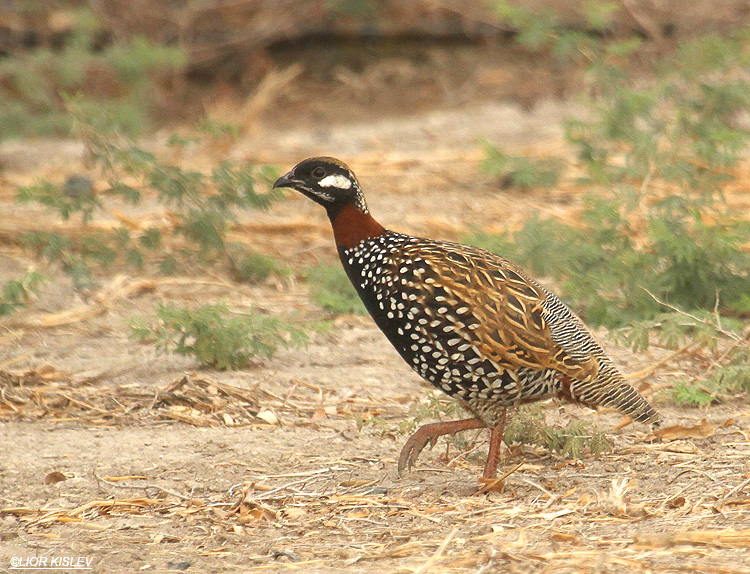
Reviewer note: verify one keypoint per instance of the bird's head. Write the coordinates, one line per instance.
(326, 181)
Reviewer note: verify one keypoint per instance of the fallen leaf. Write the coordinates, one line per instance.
(677, 502)
(255, 513)
(294, 512)
(54, 477)
(491, 485)
(261, 486)
(556, 514)
(268, 416)
(701, 430)
(521, 542)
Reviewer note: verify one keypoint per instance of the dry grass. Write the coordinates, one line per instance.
(679, 509)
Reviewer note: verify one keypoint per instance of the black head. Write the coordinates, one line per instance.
(326, 181)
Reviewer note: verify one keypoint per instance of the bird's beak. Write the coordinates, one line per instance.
(286, 180)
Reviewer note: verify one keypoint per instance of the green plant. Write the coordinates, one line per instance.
(687, 394)
(729, 376)
(525, 426)
(76, 195)
(520, 172)
(732, 375)
(202, 206)
(528, 426)
(656, 154)
(331, 289)
(657, 250)
(250, 267)
(215, 336)
(124, 79)
(17, 292)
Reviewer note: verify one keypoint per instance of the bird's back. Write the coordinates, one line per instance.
(474, 325)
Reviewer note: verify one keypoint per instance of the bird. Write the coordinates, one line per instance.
(468, 321)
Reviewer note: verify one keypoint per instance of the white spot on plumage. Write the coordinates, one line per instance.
(336, 180)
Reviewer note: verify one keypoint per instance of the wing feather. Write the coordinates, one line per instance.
(510, 319)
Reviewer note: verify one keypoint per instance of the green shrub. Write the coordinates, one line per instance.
(203, 206)
(250, 267)
(520, 172)
(656, 154)
(528, 426)
(686, 394)
(657, 251)
(215, 336)
(17, 292)
(120, 79)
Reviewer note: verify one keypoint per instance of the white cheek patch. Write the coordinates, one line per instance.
(337, 180)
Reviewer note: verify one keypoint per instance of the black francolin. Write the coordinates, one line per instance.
(468, 321)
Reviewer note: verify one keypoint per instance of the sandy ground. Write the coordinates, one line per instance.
(142, 462)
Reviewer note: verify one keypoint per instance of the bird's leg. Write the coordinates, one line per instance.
(429, 434)
(496, 441)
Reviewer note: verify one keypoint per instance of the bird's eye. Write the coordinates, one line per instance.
(318, 172)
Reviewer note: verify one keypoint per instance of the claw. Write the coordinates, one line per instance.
(429, 434)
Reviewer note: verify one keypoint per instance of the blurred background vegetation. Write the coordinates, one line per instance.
(657, 144)
(147, 63)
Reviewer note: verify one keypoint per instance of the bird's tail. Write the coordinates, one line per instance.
(610, 389)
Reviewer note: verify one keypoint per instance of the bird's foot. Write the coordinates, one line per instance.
(429, 434)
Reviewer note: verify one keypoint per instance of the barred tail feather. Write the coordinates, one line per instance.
(609, 389)
(629, 402)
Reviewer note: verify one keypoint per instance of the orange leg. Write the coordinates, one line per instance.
(431, 432)
(493, 456)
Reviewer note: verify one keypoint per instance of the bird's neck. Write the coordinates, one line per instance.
(351, 225)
